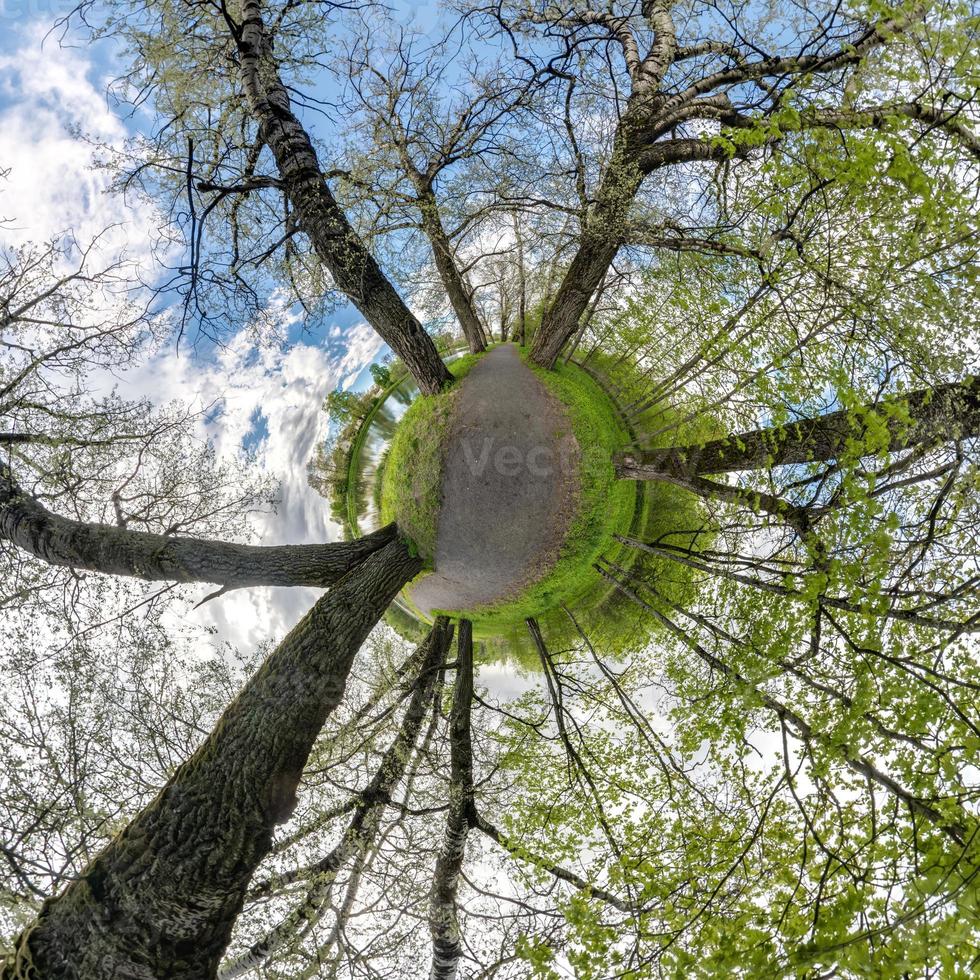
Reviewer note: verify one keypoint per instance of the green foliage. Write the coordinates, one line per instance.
(344, 407)
(411, 484)
(332, 471)
(381, 375)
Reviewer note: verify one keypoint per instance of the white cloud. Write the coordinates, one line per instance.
(49, 95)
(281, 390)
(48, 92)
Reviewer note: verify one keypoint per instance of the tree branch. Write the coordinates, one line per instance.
(112, 550)
(945, 413)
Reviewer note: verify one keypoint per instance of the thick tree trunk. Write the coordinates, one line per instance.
(111, 550)
(338, 246)
(586, 272)
(447, 945)
(365, 823)
(161, 899)
(452, 281)
(940, 414)
(602, 235)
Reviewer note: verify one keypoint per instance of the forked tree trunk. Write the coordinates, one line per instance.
(26, 523)
(337, 245)
(941, 414)
(161, 899)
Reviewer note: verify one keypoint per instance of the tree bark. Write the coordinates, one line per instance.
(338, 246)
(452, 281)
(26, 523)
(161, 899)
(362, 830)
(447, 945)
(586, 319)
(603, 231)
(944, 413)
(522, 286)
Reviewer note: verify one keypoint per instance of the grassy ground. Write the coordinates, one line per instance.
(605, 506)
(354, 462)
(411, 489)
(411, 485)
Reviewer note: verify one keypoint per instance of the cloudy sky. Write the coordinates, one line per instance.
(270, 398)
(53, 108)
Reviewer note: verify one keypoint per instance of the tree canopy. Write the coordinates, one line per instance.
(752, 749)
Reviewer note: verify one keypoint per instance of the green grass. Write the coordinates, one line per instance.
(605, 506)
(354, 460)
(411, 485)
(411, 494)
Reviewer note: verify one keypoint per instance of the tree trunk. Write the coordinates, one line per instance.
(522, 286)
(161, 899)
(447, 945)
(586, 271)
(452, 281)
(944, 413)
(111, 550)
(362, 829)
(338, 246)
(504, 312)
(585, 321)
(602, 234)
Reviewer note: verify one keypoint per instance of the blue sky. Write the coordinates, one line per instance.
(270, 397)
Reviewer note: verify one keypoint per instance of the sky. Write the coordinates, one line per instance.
(271, 398)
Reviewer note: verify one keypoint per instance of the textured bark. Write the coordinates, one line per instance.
(940, 414)
(447, 944)
(161, 899)
(853, 760)
(602, 235)
(362, 830)
(338, 246)
(449, 274)
(26, 523)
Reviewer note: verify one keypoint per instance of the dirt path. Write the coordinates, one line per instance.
(508, 488)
